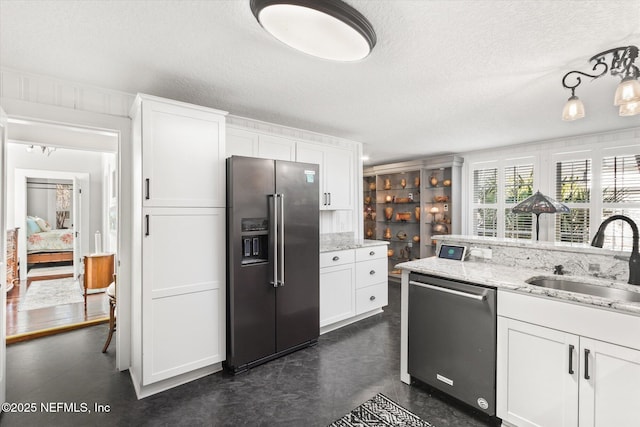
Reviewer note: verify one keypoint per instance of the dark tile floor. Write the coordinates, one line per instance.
(311, 387)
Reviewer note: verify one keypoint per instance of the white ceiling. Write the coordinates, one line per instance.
(444, 77)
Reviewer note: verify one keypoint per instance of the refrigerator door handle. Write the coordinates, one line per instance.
(281, 229)
(274, 224)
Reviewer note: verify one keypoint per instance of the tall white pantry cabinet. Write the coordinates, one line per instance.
(178, 294)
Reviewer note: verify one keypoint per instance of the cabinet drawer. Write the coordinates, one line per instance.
(371, 297)
(371, 252)
(371, 272)
(328, 259)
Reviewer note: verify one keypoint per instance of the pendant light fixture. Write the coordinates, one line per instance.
(328, 29)
(622, 64)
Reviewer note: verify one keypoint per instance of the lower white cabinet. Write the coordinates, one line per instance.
(337, 298)
(549, 377)
(353, 282)
(183, 292)
(534, 386)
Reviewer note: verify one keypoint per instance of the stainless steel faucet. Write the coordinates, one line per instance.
(634, 258)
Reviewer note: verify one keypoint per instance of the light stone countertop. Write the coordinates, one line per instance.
(513, 279)
(344, 241)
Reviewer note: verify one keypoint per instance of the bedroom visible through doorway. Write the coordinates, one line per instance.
(60, 201)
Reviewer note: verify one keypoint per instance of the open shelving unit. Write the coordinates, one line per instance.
(409, 203)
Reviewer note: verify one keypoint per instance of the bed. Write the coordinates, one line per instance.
(50, 246)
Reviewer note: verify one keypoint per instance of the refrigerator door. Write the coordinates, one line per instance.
(297, 298)
(250, 295)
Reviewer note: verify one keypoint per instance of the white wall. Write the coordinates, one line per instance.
(61, 161)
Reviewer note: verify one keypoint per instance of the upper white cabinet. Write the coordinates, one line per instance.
(242, 142)
(337, 179)
(183, 154)
(276, 148)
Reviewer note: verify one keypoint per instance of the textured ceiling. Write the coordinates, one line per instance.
(445, 76)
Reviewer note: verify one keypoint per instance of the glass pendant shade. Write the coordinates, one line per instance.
(328, 29)
(573, 109)
(628, 91)
(630, 109)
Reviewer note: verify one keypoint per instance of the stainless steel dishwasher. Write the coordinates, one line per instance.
(452, 338)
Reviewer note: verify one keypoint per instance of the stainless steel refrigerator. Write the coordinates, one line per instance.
(273, 259)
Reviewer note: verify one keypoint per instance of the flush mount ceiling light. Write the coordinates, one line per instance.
(627, 96)
(328, 29)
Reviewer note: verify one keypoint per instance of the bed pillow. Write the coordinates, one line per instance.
(32, 226)
(44, 225)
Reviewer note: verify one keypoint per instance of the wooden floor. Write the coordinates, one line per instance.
(49, 320)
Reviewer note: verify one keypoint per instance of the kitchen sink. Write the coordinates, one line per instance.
(585, 288)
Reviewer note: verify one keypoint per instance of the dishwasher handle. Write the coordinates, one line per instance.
(450, 291)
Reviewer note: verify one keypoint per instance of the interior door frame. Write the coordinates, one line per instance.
(3, 257)
(20, 209)
(121, 128)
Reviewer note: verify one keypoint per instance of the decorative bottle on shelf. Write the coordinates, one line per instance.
(388, 213)
(433, 180)
(416, 182)
(403, 183)
(372, 186)
(387, 233)
(417, 213)
(387, 184)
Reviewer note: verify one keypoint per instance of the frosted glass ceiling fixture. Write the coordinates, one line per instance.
(328, 29)
(627, 96)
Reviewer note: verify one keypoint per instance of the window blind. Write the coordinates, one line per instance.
(518, 186)
(485, 198)
(620, 196)
(573, 188)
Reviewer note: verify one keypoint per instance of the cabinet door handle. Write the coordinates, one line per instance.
(372, 253)
(372, 297)
(586, 364)
(336, 258)
(329, 199)
(146, 189)
(372, 272)
(324, 199)
(146, 225)
(571, 348)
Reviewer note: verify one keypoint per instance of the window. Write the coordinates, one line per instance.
(518, 186)
(485, 199)
(620, 196)
(573, 188)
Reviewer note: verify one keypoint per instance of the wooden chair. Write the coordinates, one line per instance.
(111, 293)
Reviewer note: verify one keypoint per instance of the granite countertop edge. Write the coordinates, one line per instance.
(353, 244)
(514, 279)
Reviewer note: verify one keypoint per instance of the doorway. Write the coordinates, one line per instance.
(66, 195)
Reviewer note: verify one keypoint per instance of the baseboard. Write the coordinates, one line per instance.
(342, 323)
(160, 386)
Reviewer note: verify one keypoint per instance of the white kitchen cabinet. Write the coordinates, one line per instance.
(240, 142)
(611, 395)
(337, 293)
(353, 283)
(178, 288)
(182, 150)
(183, 271)
(554, 367)
(534, 386)
(337, 188)
(276, 148)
